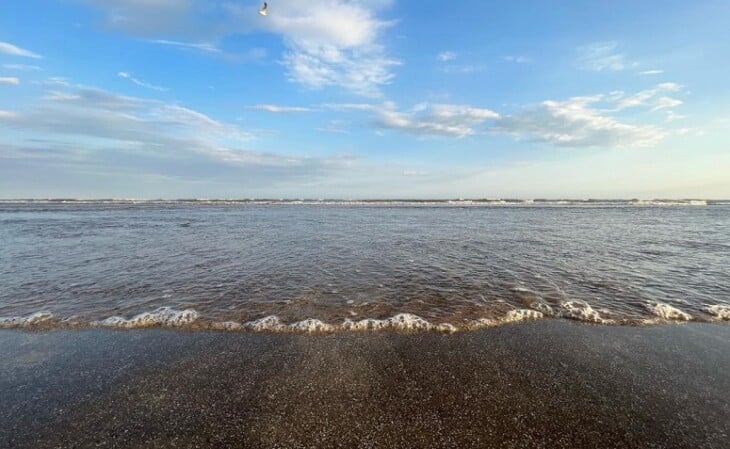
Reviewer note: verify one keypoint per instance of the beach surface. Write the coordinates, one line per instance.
(551, 383)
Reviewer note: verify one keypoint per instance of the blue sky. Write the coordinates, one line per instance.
(364, 99)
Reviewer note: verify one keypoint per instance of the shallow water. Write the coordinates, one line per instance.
(226, 264)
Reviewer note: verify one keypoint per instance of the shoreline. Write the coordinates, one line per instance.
(190, 319)
(549, 383)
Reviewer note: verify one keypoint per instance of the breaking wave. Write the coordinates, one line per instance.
(166, 317)
(667, 312)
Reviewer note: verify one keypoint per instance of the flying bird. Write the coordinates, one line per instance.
(262, 11)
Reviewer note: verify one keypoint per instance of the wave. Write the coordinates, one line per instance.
(667, 312)
(582, 311)
(381, 202)
(34, 319)
(719, 311)
(163, 317)
(166, 317)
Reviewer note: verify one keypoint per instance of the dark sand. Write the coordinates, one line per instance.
(547, 384)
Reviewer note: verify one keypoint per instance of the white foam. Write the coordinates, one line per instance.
(33, 319)
(543, 307)
(311, 325)
(582, 311)
(482, 322)
(446, 328)
(517, 315)
(227, 326)
(667, 312)
(164, 316)
(269, 323)
(402, 321)
(721, 311)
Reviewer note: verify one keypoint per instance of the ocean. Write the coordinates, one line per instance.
(338, 266)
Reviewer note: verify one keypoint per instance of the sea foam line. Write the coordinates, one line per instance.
(667, 312)
(167, 317)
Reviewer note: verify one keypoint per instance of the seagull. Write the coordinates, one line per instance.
(262, 11)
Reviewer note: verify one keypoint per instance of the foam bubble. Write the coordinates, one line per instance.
(517, 315)
(227, 326)
(311, 325)
(543, 307)
(482, 322)
(721, 311)
(34, 319)
(269, 323)
(402, 321)
(446, 328)
(667, 312)
(164, 316)
(582, 311)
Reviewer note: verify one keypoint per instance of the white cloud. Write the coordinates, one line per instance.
(280, 109)
(152, 17)
(464, 68)
(21, 67)
(452, 120)
(445, 56)
(603, 56)
(9, 80)
(141, 83)
(115, 132)
(10, 49)
(575, 123)
(672, 116)
(648, 97)
(54, 81)
(334, 126)
(665, 103)
(156, 126)
(651, 72)
(518, 59)
(329, 42)
(349, 106)
(205, 47)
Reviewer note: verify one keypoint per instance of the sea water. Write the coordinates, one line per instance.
(323, 266)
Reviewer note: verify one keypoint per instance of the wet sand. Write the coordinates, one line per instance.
(547, 384)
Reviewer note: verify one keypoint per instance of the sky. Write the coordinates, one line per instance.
(364, 99)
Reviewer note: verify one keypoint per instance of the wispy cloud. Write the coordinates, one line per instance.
(651, 72)
(153, 17)
(334, 126)
(650, 97)
(9, 80)
(13, 50)
(201, 46)
(22, 67)
(451, 120)
(414, 173)
(672, 116)
(120, 130)
(350, 106)
(446, 56)
(517, 59)
(577, 123)
(603, 56)
(463, 68)
(146, 85)
(280, 109)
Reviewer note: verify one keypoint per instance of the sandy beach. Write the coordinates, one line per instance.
(546, 384)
